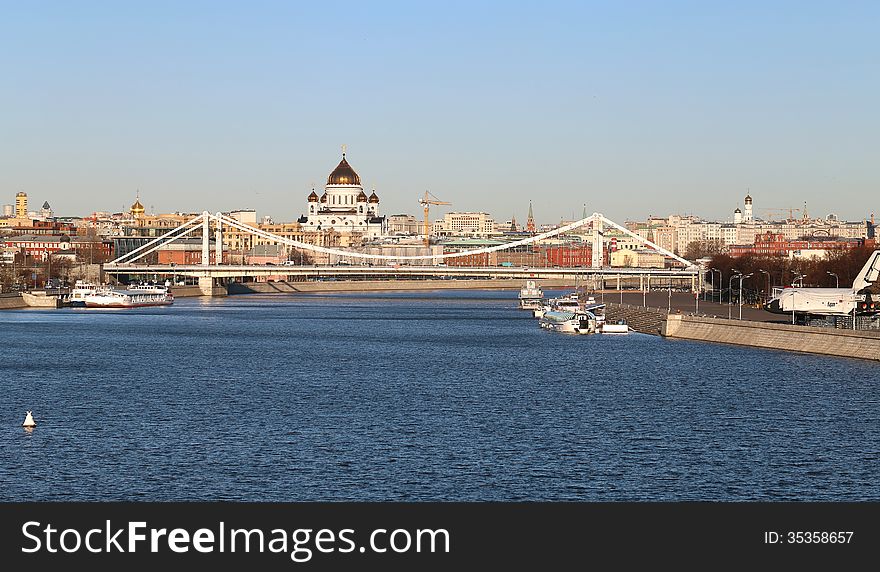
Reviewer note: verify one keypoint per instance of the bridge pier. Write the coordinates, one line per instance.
(209, 287)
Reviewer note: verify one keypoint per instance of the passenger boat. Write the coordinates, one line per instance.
(531, 297)
(567, 322)
(133, 297)
(570, 303)
(77, 296)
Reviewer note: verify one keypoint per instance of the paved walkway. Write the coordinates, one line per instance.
(684, 302)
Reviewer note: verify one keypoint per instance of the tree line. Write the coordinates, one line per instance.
(784, 271)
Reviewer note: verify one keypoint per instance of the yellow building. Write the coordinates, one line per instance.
(637, 259)
(21, 205)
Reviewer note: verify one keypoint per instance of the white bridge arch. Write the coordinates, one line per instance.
(203, 222)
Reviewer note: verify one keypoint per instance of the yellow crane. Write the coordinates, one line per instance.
(426, 202)
(771, 212)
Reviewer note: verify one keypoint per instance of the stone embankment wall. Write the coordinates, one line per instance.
(11, 301)
(825, 341)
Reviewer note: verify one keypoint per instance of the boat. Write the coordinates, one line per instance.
(134, 297)
(531, 297)
(570, 303)
(77, 296)
(567, 322)
(41, 300)
(620, 327)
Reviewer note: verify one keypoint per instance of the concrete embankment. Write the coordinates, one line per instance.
(640, 319)
(825, 341)
(381, 286)
(186, 291)
(12, 301)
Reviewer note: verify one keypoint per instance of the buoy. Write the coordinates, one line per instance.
(29, 421)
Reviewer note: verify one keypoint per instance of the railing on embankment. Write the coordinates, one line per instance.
(639, 318)
(825, 341)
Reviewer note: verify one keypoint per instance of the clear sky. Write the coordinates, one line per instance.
(633, 108)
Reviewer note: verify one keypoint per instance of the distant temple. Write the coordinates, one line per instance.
(344, 207)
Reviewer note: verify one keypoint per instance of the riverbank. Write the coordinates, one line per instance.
(823, 341)
(381, 286)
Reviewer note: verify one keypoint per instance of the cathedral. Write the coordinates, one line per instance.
(344, 207)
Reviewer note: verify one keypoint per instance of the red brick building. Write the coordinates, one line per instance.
(772, 244)
(43, 246)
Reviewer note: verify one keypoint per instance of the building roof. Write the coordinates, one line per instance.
(343, 174)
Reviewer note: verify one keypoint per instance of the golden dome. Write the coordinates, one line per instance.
(343, 174)
(324, 198)
(137, 207)
(374, 198)
(313, 197)
(362, 197)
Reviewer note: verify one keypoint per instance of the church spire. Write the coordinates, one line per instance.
(530, 221)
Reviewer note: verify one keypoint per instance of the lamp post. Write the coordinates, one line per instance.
(733, 272)
(768, 282)
(720, 281)
(730, 291)
(855, 306)
(836, 278)
(741, 293)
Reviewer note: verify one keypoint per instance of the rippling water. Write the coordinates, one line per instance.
(429, 396)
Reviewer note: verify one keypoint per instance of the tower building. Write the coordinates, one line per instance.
(21, 205)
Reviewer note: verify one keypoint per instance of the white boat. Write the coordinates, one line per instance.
(566, 322)
(135, 297)
(570, 303)
(41, 300)
(621, 327)
(77, 296)
(531, 297)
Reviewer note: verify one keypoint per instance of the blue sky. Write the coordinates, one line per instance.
(632, 108)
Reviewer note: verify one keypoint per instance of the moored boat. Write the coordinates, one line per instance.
(41, 300)
(531, 297)
(567, 322)
(620, 327)
(135, 297)
(77, 296)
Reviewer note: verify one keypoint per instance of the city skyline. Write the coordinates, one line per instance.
(632, 110)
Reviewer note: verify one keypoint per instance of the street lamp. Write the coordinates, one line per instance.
(730, 290)
(836, 278)
(733, 272)
(741, 293)
(720, 282)
(768, 282)
(797, 276)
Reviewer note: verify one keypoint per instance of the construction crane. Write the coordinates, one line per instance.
(426, 202)
(771, 212)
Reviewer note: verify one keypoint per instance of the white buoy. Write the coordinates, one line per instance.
(29, 422)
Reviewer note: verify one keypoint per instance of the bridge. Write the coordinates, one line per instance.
(367, 265)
